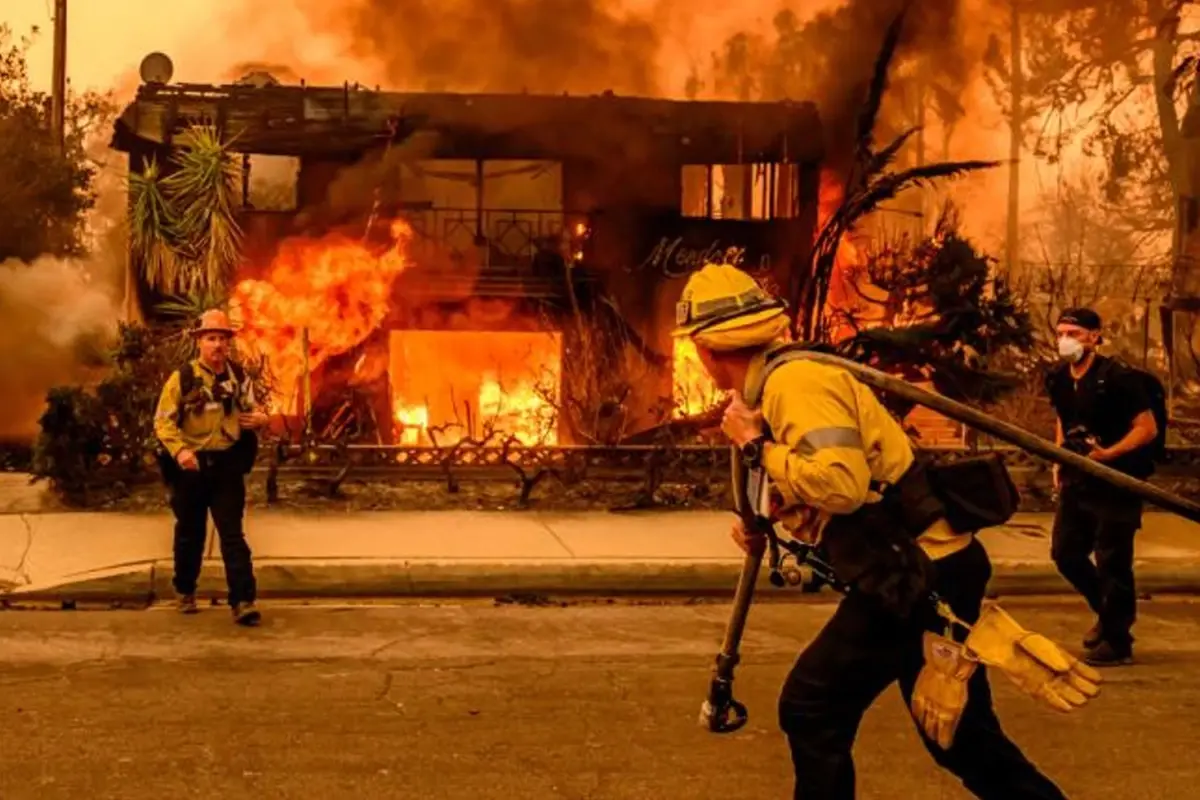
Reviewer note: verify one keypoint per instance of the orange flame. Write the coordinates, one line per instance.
(694, 391)
(502, 383)
(841, 280)
(335, 287)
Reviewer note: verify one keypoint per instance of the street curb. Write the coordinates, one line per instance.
(142, 585)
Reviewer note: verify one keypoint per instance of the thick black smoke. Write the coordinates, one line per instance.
(540, 46)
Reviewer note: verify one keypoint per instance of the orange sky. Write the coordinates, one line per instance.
(107, 40)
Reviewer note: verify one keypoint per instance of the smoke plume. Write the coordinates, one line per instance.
(58, 319)
(817, 50)
(541, 46)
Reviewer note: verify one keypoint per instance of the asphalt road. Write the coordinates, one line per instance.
(475, 701)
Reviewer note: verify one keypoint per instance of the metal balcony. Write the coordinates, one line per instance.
(495, 253)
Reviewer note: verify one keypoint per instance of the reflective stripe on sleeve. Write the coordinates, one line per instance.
(825, 438)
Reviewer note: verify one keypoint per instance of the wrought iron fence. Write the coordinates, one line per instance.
(631, 461)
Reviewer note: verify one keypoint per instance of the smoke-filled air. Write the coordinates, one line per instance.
(1089, 127)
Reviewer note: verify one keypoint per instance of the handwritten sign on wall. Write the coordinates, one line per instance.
(676, 248)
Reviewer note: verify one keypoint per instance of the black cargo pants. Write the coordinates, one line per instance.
(1089, 521)
(858, 654)
(220, 487)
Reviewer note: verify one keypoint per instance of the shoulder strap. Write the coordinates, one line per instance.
(187, 379)
(775, 360)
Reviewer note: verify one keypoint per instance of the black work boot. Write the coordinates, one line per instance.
(1093, 637)
(246, 614)
(1107, 654)
(186, 603)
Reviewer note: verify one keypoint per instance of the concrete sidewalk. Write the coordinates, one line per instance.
(118, 557)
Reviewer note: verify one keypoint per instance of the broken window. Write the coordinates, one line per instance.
(269, 183)
(740, 191)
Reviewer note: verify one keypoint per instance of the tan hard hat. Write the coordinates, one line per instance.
(213, 321)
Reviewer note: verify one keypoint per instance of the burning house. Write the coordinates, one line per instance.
(441, 265)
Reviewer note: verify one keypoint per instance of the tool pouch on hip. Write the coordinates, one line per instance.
(875, 549)
(977, 492)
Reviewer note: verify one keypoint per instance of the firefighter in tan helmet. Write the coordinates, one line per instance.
(842, 474)
(205, 423)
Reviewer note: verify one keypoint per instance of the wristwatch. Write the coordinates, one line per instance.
(752, 451)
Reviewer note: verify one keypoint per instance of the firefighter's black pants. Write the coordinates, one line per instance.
(218, 487)
(857, 655)
(1088, 524)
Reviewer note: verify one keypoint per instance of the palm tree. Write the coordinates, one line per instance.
(869, 183)
(184, 230)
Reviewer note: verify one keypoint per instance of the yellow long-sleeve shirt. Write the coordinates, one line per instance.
(205, 427)
(831, 438)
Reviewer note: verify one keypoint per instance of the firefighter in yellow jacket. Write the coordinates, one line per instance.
(204, 423)
(839, 465)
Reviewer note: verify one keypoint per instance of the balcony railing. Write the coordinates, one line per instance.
(509, 252)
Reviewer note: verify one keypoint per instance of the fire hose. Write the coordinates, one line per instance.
(721, 713)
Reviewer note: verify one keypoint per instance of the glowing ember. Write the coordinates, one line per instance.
(336, 286)
(694, 392)
(501, 384)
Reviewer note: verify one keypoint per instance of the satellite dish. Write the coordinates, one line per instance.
(156, 68)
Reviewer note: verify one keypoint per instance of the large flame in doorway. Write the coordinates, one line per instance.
(490, 387)
(337, 287)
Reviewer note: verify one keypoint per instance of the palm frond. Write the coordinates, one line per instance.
(153, 229)
(870, 109)
(203, 192)
(187, 307)
(891, 185)
(884, 158)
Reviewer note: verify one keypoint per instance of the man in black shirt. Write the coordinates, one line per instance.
(1104, 412)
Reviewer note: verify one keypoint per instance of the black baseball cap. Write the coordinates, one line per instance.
(1083, 317)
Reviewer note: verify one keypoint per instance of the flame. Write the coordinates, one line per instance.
(474, 384)
(842, 293)
(413, 424)
(336, 287)
(694, 391)
(520, 412)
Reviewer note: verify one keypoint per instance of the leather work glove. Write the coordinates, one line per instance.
(940, 694)
(1040, 667)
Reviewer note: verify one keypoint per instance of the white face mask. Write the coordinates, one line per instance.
(1070, 349)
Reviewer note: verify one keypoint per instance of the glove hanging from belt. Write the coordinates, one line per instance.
(1034, 663)
(1037, 665)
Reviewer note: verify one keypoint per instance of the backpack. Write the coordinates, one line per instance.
(246, 447)
(1157, 449)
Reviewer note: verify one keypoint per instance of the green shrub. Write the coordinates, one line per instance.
(68, 449)
(97, 442)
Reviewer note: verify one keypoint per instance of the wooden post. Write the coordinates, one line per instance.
(1012, 244)
(58, 89)
(306, 386)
